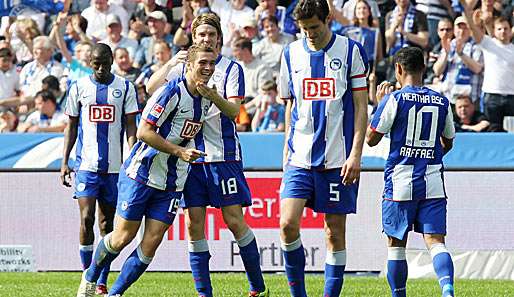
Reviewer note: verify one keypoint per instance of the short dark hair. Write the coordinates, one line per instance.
(194, 49)
(411, 58)
(464, 97)
(306, 9)
(102, 49)
(242, 43)
(46, 96)
(270, 18)
(51, 82)
(500, 20)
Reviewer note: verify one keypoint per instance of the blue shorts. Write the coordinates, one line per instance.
(101, 186)
(428, 217)
(323, 189)
(136, 200)
(216, 184)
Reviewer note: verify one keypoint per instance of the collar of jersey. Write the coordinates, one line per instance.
(92, 78)
(189, 92)
(325, 49)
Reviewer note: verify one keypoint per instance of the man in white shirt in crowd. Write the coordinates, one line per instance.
(96, 16)
(10, 86)
(47, 117)
(498, 51)
(115, 39)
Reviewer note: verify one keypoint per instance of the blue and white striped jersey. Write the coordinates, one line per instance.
(101, 108)
(416, 118)
(320, 83)
(219, 137)
(178, 116)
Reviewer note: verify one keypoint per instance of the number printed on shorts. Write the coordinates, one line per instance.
(229, 186)
(334, 192)
(174, 203)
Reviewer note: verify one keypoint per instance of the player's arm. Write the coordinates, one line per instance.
(158, 78)
(70, 136)
(230, 108)
(373, 136)
(147, 133)
(130, 121)
(448, 132)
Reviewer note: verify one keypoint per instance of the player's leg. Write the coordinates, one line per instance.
(229, 190)
(291, 210)
(86, 191)
(105, 215)
(431, 222)
(198, 247)
(336, 201)
(335, 262)
(233, 217)
(296, 188)
(87, 207)
(397, 221)
(160, 211)
(138, 261)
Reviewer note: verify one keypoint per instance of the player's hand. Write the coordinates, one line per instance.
(190, 155)
(351, 171)
(66, 175)
(179, 57)
(383, 89)
(206, 92)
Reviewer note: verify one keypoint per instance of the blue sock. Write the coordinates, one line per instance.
(443, 266)
(86, 255)
(294, 257)
(104, 255)
(132, 269)
(251, 261)
(102, 280)
(397, 271)
(334, 273)
(199, 261)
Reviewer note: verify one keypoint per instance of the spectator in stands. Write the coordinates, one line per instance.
(139, 19)
(344, 14)
(255, 70)
(115, 39)
(123, 65)
(269, 49)
(270, 115)
(445, 34)
(232, 14)
(405, 26)
(77, 67)
(498, 51)
(26, 30)
(249, 30)
(74, 33)
(10, 86)
(268, 8)
(460, 63)
(435, 10)
(363, 31)
(43, 65)
(52, 85)
(8, 120)
(156, 23)
(467, 118)
(96, 16)
(190, 10)
(47, 117)
(162, 53)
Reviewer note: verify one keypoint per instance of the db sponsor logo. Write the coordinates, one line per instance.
(319, 88)
(190, 129)
(101, 113)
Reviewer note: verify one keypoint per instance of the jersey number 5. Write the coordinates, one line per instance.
(414, 126)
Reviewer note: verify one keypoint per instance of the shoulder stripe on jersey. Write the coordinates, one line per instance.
(226, 79)
(125, 96)
(240, 81)
(360, 89)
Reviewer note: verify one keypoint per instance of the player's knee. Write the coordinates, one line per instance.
(105, 226)
(121, 239)
(234, 223)
(87, 220)
(289, 228)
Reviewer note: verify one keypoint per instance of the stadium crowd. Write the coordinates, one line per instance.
(45, 47)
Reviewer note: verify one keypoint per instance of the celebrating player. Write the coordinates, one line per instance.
(420, 124)
(152, 178)
(323, 79)
(217, 179)
(97, 106)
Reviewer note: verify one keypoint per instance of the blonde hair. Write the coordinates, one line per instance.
(194, 49)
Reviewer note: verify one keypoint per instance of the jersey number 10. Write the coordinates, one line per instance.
(414, 127)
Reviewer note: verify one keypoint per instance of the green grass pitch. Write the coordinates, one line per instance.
(234, 284)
